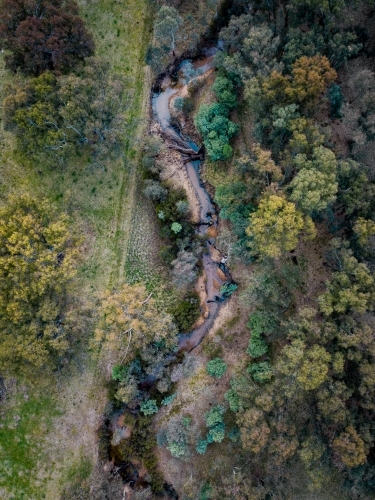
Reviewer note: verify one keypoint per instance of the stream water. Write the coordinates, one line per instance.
(208, 215)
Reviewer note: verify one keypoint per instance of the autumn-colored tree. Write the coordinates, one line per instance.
(130, 323)
(310, 77)
(265, 165)
(276, 225)
(38, 255)
(43, 35)
(350, 447)
(254, 430)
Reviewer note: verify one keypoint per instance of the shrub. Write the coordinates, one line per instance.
(216, 367)
(214, 416)
(149, 407)
(233, 399)
(186, 312)
(225, 92)
(260, 372)
(176, 227)
(169, 399)
(227, 289)
(201, 446)
(216, 433)
(257, 346)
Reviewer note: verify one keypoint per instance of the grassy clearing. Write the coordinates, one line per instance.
(23, 426)
(56, 435)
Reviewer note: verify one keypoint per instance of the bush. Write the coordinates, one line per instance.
(257, 346)
(216, 367)
(260, 372)
(336, 99)
(233, 399)
(169, 399)
(214, 416)
(186, 312)
(216, 130)
(201, 446)
(149, 407)
(225, 92)
(216, 433)
(227, 289)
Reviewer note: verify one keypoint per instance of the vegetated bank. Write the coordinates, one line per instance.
(88, 180)
(299, 206)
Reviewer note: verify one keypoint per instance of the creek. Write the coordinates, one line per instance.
(216, 273)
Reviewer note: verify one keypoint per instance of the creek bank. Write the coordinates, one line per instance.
(214, 264)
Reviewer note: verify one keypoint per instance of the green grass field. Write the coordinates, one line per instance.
(57, 427)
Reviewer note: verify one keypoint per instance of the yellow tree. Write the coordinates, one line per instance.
(350, 447)
(276, 225)
(131, 324)
(265, 165)
(37, 261)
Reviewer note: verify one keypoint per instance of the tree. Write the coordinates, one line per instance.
(216, 367)
(255, 432)
(56, 116)
(216, 129)
(38, 255)
(275, 226)
(184, 269)
(225, 92)
(308, 365)
(309, 79)
(149, 407)
(255, 51)
(43, 35)
(313, 190)
(351, 288)
(350, 447)
(130, 323)
(364, 230)
(166, 27)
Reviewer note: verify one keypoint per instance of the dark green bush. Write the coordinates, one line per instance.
(186, 312)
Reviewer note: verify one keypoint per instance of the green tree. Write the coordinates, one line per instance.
(351, 288)
(216, 130)
(276, 225)
(55, 116)
(216, 367)
(308, 365)
(149, 407)
(315, 185)
(166, 27)
(38, 255)
(225, 92)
